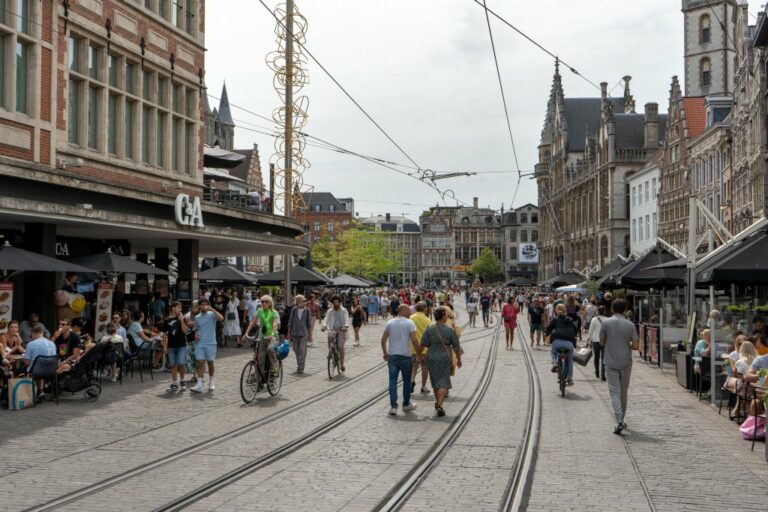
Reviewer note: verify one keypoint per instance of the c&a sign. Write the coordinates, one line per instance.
(188, 211)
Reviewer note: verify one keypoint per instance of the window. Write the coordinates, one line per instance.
(647, 192)
(513, 236)
(3, 11)
(634, 196)
(114, 62)
(316, 208)
(146, 113)
(2, 61)
(190, 17)
(634, 230)
(513, 253)
(94, 54)
(93, 118)
(112, 125)
(705, 70)
(653, 189)
(161, 135)
(523, 218)
(130, 107)
(22, 15)
(22, 77)
(130, 77)
(705, 29)
(524, 236)
(647, 227)
(330, 226)
(534, 235)
(654, 226)
(73, 108)
(534, 218)
(317, 226)
(331, 207)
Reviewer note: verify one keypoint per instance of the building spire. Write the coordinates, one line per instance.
(629, 101)
(225, 115)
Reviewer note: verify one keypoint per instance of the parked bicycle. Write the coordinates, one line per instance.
(255, 377)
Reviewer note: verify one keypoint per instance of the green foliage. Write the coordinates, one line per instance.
(357, 251)
(487, 265)
(592, 287)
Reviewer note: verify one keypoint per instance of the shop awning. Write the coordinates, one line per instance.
(220, 174)
(565, 279)
(217, 157)
(640, 276)
(611, 279)
(13, 259)
(299, 275)
(111, 263)
(744, 262)
(226, 274)
(613, 266)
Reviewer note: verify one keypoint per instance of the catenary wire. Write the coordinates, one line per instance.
(346, 93)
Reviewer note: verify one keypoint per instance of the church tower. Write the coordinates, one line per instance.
(710, 52)
(226, 124)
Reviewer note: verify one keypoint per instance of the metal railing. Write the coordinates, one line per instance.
(235, 199)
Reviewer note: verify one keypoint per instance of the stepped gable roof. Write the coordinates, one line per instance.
(225, 115)
(243, 168)
(581, 113)
(696, 115)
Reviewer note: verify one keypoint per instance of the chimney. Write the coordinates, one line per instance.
(629, 101)
(651, 125)
(604, 90)
(388, 217)
(474, 203)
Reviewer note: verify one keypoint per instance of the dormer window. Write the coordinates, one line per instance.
(331, 208)
(317, 208)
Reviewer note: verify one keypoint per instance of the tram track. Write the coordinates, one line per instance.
(274, 455)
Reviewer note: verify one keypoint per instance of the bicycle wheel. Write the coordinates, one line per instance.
(275, 381)
(562, 378)
(249, 382)
(330, 364)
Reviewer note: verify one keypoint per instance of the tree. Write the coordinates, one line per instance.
(487, 265)
(357, 251)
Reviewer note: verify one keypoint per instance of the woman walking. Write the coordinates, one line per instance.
(232, 319)
(443, 345)
(509, 314)
(563, 333)
(357, 320)
(593, 335)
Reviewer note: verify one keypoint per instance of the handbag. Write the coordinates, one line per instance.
(231, 316)
(753, 428)
(20, 393)
(449, 351)
(582, 356)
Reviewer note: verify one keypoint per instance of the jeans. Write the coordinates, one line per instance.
(177, 355)
(472, 318)
(486, 316)
(399, 365)
(618, 385)
(597, 351)
(566, 345)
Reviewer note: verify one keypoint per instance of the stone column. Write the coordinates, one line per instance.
(189, 266)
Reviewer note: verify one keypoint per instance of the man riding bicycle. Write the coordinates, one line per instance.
(267, 322)
(337, 322)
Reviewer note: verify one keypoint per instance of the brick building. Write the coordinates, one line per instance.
(101, 138)
(323, 215)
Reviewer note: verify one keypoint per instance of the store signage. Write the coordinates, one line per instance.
(188, 211)
(62, 249)
(529, 253)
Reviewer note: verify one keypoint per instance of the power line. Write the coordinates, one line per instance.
(501, 87)
(535, 43)
(346, 93)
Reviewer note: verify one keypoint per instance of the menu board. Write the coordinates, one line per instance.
(104, 294)
(641, 332)
(6, 305)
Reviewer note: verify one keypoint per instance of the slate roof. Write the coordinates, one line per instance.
(630, 130)
(696, 115)
(242, 169)
(225, 115)
(581, 113)
(324, 199)
(390, 226)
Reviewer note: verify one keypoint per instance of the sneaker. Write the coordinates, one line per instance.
(310, 344)
(623, 425)
(409, 407)
(113, 379)
(618, 428)
(356, 344)
(425, 390)
(197, 388)
(300, 371)
(554, 368)
(211, 384)
(393, 411)
(569, 383)
(172, 388)
(183, 385)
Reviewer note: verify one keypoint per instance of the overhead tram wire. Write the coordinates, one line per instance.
(346, 93)
(535, 43)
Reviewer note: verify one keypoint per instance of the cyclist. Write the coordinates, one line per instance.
(563, 333)
(337, 321)
(267, 320)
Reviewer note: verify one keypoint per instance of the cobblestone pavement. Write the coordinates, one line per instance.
(677, 453)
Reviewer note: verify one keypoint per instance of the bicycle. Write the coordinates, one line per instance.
(334, 365)
(252, 381)
(562, 369)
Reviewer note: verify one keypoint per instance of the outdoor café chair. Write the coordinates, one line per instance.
(758, 394)
(44, 367)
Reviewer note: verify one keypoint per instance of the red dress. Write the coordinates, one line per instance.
(509, 314)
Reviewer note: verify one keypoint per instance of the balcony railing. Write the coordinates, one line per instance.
(234, 199)
(541, 170)
(630, 155)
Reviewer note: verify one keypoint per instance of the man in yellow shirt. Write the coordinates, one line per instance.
(422, 321)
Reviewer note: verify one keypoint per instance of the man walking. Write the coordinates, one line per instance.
(299, 325)
(421, 321)
(618, 338)
(485, 306)
(364, 305)
(174, 331)
(205, 345)
(536, 321)
(401, 334)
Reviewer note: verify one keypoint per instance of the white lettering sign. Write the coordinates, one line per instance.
(62, 249)
(188, 211)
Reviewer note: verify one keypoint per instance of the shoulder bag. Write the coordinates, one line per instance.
(448, 350)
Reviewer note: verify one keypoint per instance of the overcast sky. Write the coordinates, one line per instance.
(424, 71)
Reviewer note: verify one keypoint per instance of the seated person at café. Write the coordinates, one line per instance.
(747, 355)
(38, 345)
(119, 344)
(25, 329)
(77, 328)
(68, 344)
(11, 340)
(703, 346)
(758, 364)
(760, 344)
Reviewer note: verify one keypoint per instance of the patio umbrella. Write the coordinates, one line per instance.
(742, 263)
(346, 280)
(639, 275)
(111, 263)
(19, 260)
(565, 279)
(227, 274)
(299, 275)
(616, 264)
(519, 281)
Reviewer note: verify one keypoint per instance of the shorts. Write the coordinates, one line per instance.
(205, 352)
(177, 356)
(536, 327)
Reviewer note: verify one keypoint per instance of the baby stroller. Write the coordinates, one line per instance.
(82, 376)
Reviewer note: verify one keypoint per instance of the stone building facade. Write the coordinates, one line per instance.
(403, 238)
(709, 49)
(520, 232)
(438, 246)
(323, 215)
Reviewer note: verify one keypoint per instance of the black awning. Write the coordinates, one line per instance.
(616, 264)
(112, 263)
(744, 262)
(226, 274)
(566, 279)
(640, 275)
(299, 275)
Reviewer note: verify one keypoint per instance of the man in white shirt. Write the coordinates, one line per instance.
(337, 321)
(252, 305)
(400, 332)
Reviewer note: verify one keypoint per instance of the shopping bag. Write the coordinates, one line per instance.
(749, 430)
(20, 393)
(582, 356)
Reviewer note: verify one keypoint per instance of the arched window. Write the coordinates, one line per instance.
(705, 29)
(705, 71)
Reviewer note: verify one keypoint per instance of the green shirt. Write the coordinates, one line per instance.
(266, 321)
